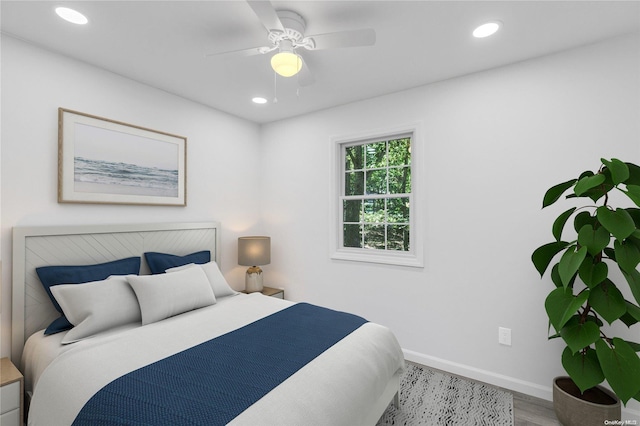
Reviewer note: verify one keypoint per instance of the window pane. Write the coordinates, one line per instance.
(377, 181)
(398, 210)
(352, 210)
(354, 183)
(376, 155)
(354, 157)
(374, 210)
(400, 180)
(352, 236)
(400, 152)
(398, 237)
(374, 236)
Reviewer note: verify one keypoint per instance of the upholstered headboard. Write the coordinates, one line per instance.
(85, 245)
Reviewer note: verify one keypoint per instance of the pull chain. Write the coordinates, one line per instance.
(275, 87)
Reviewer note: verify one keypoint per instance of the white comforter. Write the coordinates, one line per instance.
(337, 388)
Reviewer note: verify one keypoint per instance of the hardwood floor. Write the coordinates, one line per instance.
(530, 411)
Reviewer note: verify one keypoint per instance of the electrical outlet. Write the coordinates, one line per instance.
(504, 336)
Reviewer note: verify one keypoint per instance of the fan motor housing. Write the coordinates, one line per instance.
(294, 27)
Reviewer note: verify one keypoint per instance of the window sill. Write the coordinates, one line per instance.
(398, 259)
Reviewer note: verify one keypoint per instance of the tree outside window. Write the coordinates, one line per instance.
(376, 198)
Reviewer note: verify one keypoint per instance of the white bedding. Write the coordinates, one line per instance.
(337, 388)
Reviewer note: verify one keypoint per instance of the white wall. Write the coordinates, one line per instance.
(222, 154)
(495, 141)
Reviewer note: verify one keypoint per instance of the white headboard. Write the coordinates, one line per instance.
(85, 245)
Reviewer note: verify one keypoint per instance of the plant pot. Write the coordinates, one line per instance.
(591, 408)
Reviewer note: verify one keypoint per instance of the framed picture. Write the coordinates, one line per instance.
(106, 161)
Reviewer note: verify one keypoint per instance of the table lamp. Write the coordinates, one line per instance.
(254, 251)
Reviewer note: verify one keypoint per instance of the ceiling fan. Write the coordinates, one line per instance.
(286, 35)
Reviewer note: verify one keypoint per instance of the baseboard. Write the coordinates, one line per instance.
(528, 388)
(507, 382)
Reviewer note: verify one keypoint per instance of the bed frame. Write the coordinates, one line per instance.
(84, 245)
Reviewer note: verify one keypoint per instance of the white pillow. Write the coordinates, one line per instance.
(219, 285)
(165, 295)
(96, 306)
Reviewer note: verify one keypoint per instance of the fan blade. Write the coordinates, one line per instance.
(239, 53)
(267, 14)
(353, 38)
(305, 76)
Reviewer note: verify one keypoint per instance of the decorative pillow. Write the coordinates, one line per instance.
(54, 275)
(97, 306)
(160, 262)
(58, 325)
(219, 285)
(165, 295)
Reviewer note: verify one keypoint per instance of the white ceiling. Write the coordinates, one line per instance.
(163, 44)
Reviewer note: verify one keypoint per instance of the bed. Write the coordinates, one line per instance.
(182, 346)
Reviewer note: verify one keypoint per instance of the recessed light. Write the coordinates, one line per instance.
(71, 15)
(485, 30)
(259, 100)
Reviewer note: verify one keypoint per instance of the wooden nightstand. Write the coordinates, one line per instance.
(11, 391)
(270, 291)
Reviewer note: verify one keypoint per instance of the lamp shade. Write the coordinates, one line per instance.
(285, 63)
(254, 251)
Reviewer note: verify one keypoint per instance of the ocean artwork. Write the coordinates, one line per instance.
(109, 177)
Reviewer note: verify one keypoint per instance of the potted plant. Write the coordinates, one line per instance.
(604, 238)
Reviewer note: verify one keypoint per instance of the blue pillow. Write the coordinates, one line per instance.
(58, 325)
(160, 262)
(54, 275)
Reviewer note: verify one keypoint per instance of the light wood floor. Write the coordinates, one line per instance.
(530, 411)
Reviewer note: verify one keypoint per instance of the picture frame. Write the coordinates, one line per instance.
(104, 161)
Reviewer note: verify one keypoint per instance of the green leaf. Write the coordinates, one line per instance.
(595, 240)
(558, 224)
(607, 301)
(561, 304)
(633, 310)
(633, 192)
(611, 253)
(570, 263)
(584, 218)
(633, 345)
(634, 174)
(593, 274)
(621, 367)
(543, 255)
(555, 276)
(578, 336)
(628, 320)
(633, 279)
(555, 192)
(635, 215)
(627, 255)
(619, 170)
(589, 182)
(618, 222)
(583, 368)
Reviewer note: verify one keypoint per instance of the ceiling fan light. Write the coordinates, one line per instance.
(286, 64)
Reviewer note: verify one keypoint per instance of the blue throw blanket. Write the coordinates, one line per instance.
(212, 383)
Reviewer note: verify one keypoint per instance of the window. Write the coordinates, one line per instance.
(376, 207)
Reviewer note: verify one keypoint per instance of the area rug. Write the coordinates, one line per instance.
(429, 397)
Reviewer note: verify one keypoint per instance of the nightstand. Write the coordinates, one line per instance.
(11, 391)
(270, 291)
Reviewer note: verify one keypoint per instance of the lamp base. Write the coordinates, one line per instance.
(253, 280)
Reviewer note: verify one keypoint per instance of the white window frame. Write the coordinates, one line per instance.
(415, 256)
